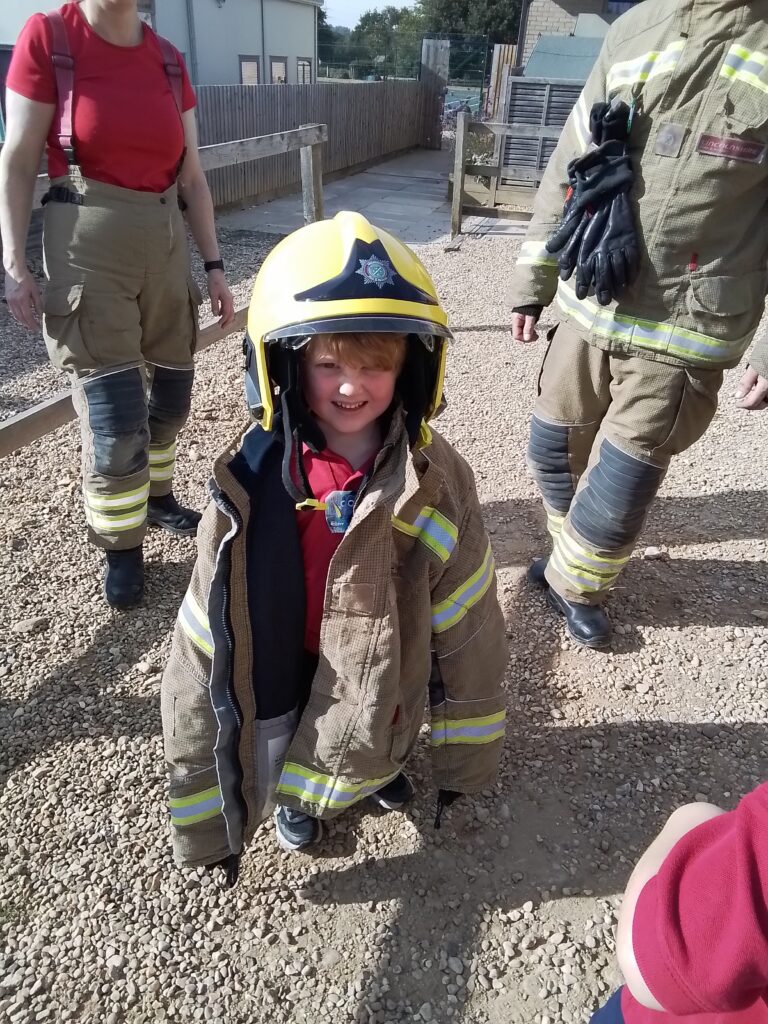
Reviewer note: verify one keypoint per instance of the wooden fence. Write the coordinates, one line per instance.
(366, 122)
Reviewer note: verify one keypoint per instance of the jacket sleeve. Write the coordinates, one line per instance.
(467, 702)
(758, 357)
(534, 279)
(189, 723)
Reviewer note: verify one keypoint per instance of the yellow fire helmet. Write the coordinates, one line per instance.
(338, 276)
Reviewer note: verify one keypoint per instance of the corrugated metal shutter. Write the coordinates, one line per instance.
(535, 113)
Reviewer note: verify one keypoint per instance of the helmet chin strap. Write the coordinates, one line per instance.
(299, 428)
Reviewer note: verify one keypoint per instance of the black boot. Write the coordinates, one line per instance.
(536, 570)
(167, 513)
(124, 578)
(586, 624)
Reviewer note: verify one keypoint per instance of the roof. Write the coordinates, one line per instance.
(563, 57)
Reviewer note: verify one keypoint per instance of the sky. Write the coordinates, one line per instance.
(347, 12)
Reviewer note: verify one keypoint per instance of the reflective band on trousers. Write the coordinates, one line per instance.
(746, 66)
(433, 530)
(554, 524)
(534, 254)
(468, 730)
(194, 622)
(114, 513)
(323, 790)
(162, 461)
(645, 67)
(656, 337)
(455, 607)
(188, 810)
(585, 570)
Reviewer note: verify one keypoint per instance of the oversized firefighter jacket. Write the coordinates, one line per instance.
(410, 607)
(697, 74)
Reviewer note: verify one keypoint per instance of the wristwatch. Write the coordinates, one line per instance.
(213, 265)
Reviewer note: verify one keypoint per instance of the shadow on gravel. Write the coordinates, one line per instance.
(573, 810)
(705, 519)
(86, 697)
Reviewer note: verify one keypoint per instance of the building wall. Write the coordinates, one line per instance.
(222, 33)
(556, 18)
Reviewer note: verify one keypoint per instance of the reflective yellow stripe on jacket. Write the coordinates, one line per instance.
(535, 254)
(486, 729)
(324, 790)
(687, 345)
(745, 66)
(453, 609)
(194, 622)
(433, 530)
(645, 67)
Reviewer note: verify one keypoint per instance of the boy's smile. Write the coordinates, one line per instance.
(346, 399)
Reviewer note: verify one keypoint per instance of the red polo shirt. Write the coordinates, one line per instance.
(127, 130)
(336, 483)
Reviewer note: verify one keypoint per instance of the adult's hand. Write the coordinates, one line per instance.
(222, 303)
(752, 392)
(24, 299)
(524, 328)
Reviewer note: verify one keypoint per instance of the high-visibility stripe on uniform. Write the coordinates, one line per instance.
(115, 513)
(585, 570)
(194, 622)
(325, 791)
(645, 67)
(188, 810)
(554, 524)
(535, 254)
(162, 461)
(455, 607)
(656, 337)
(468, 730)
(581, 122)
(433, 530)
(745, 66)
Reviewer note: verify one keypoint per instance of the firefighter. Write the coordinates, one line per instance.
(113, 102)
(343, 571)
(632, 371)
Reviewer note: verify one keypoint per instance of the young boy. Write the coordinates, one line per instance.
(343, 569)
(692, 940)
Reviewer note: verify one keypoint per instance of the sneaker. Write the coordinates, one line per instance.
(172, 517)
(395, 794)
(296, 830)
(124, 578)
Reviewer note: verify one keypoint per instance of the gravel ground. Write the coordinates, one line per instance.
(504, 916)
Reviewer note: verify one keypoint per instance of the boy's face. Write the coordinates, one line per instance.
(345, 397)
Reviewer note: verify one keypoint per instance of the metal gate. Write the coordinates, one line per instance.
(535, 112)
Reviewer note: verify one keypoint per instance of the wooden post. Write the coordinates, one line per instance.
(312, 182)
(458, 172)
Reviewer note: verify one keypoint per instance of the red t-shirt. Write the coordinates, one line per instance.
(127, 129)
(334, 482)
(700, 930)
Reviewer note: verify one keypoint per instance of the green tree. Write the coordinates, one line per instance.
(497, 19)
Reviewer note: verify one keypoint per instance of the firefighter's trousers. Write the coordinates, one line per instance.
(604, 429)
(120, 318)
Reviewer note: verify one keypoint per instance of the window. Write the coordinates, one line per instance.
(620, 6)
(250, 73)
(303, 70)
(278, 67)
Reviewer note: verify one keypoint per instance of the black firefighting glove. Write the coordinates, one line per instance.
(445, 797)
(609, 257)
(593, 179)
(230, 866)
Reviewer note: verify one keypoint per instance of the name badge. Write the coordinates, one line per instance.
(732, 149)
(339, 506)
